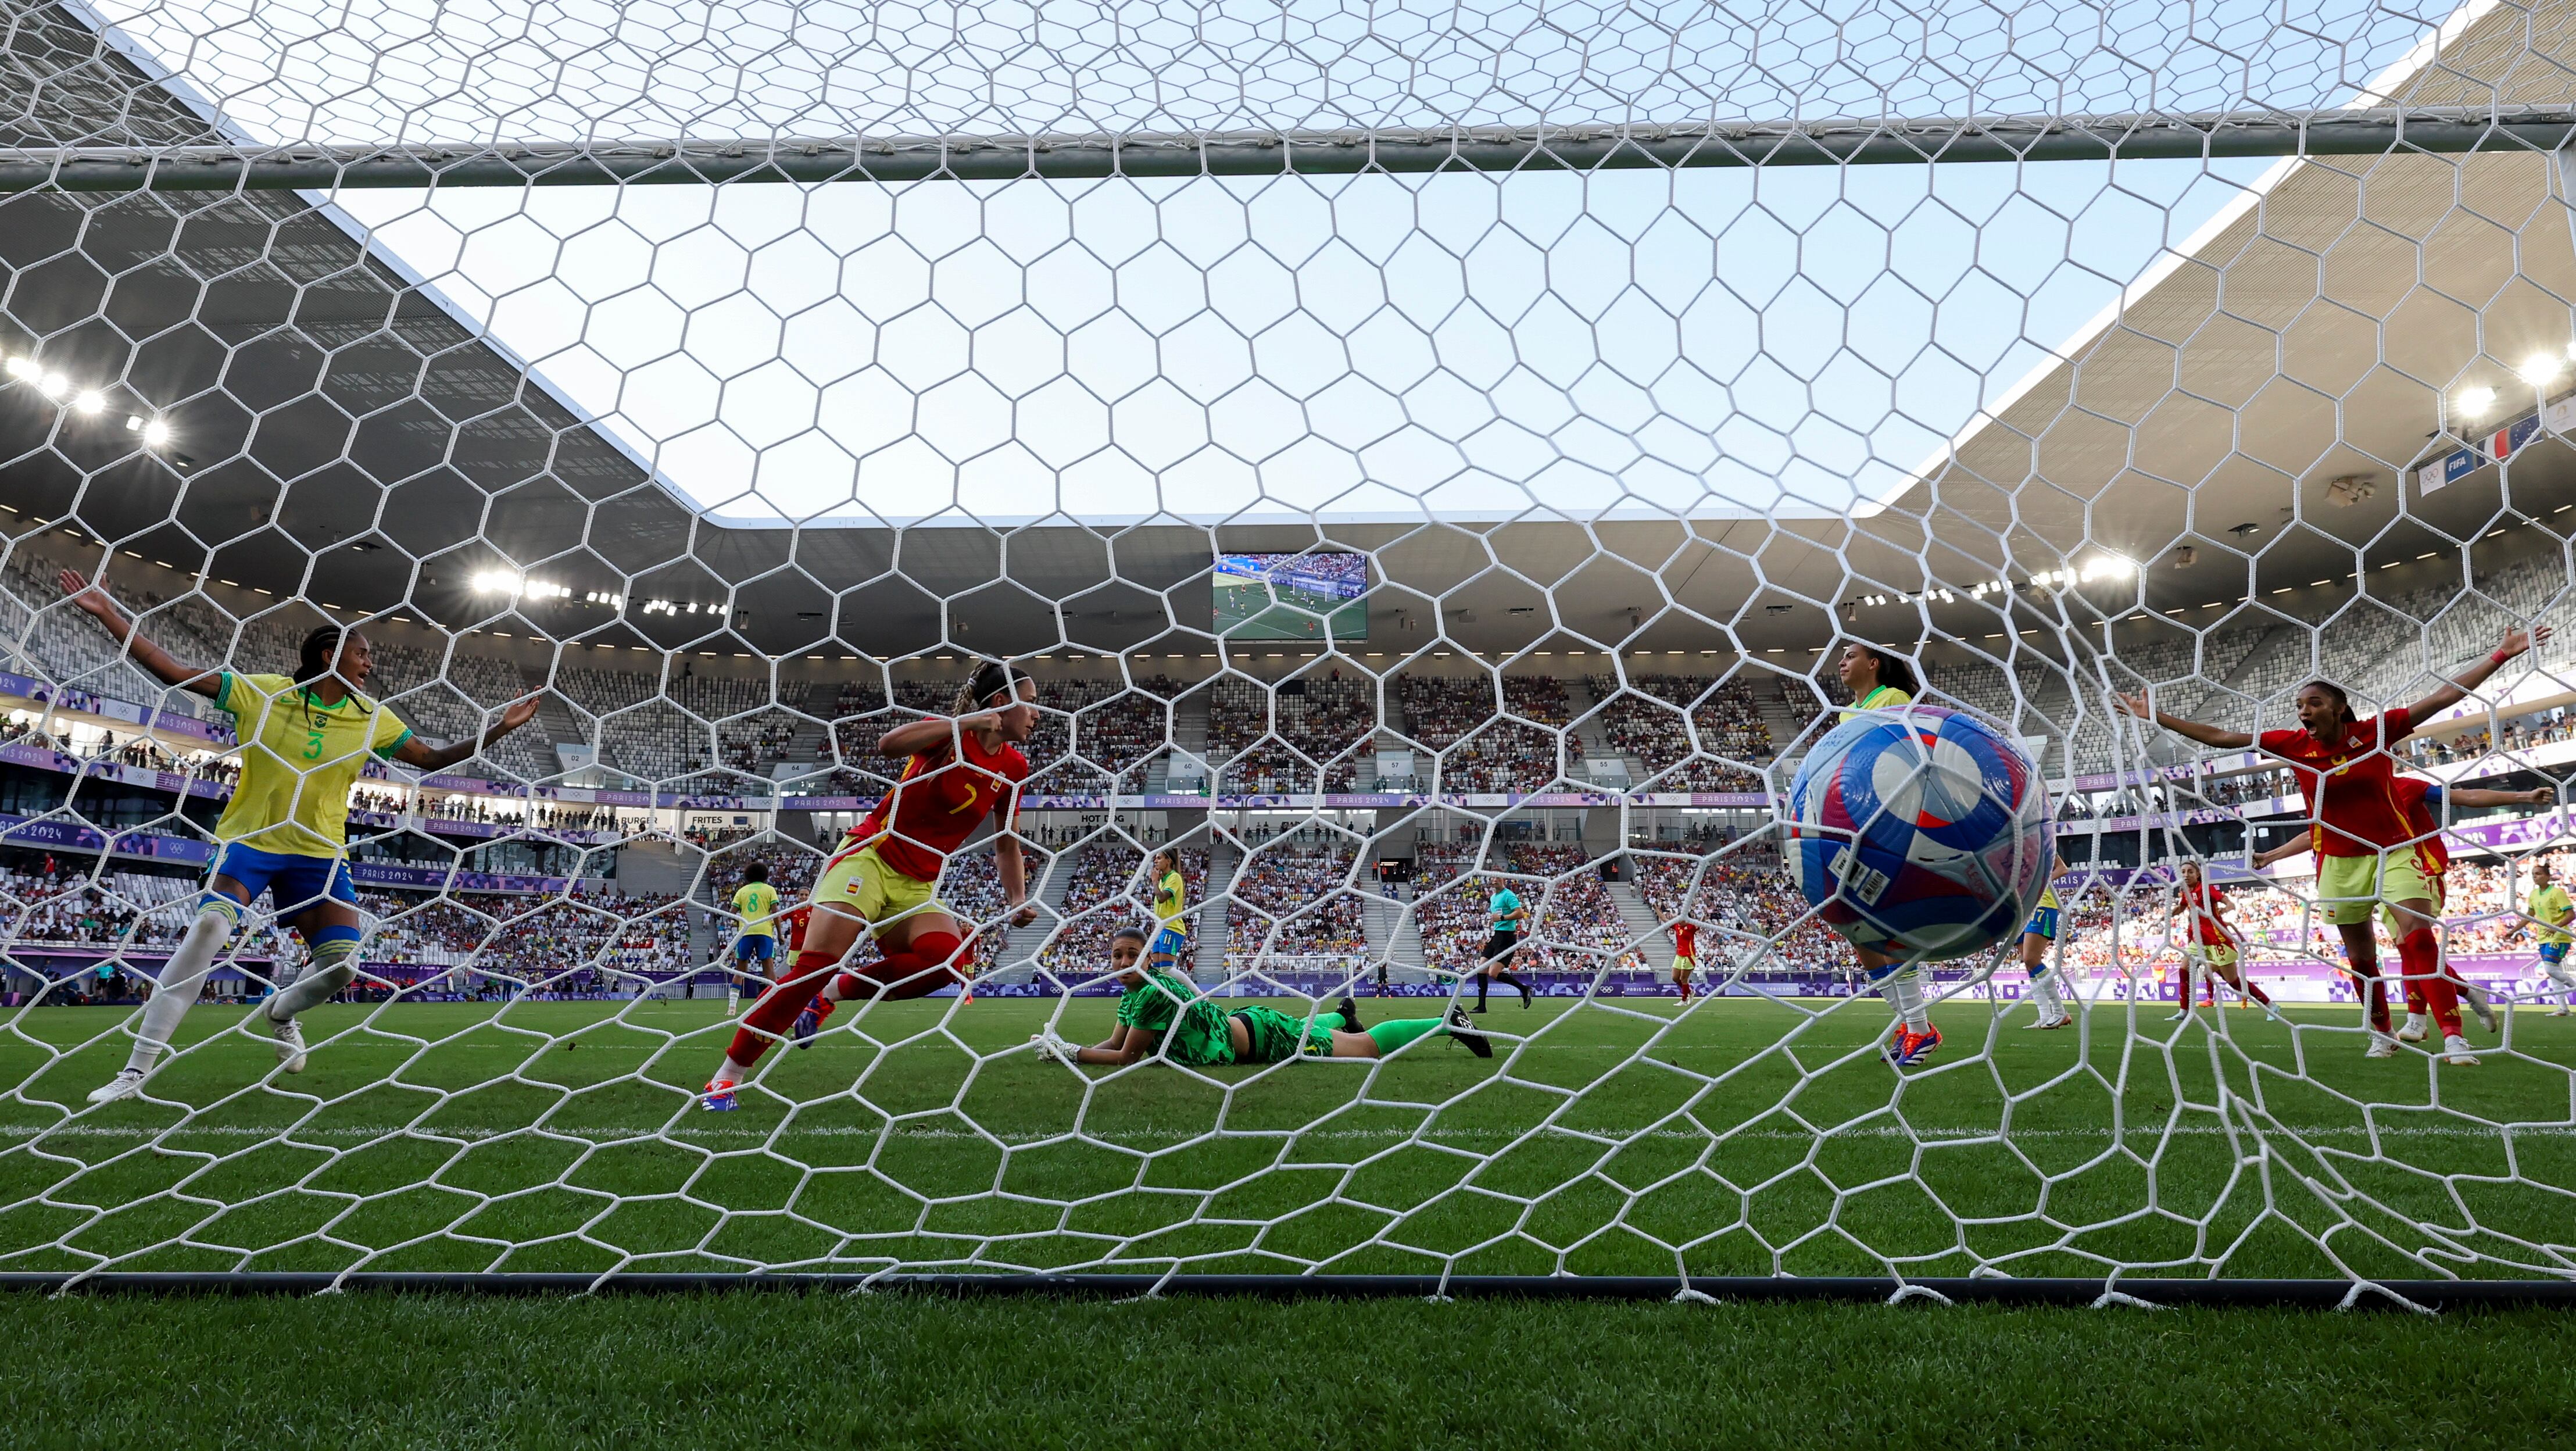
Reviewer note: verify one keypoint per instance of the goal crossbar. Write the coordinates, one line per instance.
(1268, 153)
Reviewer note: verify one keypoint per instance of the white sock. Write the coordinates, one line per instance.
(2415, 1020)
(2043, 991)
(1905, 994)
(182, 977)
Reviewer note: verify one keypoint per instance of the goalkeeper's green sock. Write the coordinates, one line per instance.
(1396, 1032)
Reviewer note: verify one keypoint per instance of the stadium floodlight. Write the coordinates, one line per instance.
(53, 385)
(2540, 369)
(156, 432)
(2473, 403)
(90, 403)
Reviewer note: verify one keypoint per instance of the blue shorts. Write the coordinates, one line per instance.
(1168, 943)
(754, 947)
(293, 882)
(2043, 923)
(2553, 953)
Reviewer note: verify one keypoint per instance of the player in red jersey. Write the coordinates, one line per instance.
(2436, 997)
(2370, 854)
(884, 878)
(2211, 947)
(1685, 955)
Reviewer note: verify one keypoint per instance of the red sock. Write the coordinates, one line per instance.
(2414, 993)
(2250, 990)
(918, 971)
(771, 1017)
(2421, 952)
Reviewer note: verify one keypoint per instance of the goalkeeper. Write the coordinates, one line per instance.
(1160, 1010)
(304, 738)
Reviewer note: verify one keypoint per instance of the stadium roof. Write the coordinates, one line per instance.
(342, 435)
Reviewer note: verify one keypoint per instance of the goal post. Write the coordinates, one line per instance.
(1298, 596)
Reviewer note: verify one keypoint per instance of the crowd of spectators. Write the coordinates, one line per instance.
(1315, 732)
(1288, 901)
(1653, 719)
(1112, 886)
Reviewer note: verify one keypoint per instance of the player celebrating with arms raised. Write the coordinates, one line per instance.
(304, 738)
(884, 879)
(2370, 853)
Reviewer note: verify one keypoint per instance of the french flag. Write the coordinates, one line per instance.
(2501, 444)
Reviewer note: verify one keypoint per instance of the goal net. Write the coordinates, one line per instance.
(1433, 469)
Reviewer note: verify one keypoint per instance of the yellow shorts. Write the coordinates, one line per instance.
(861, 882)
(2349, 888)
(1684, 967)
(2215, 957)
(2388, 914)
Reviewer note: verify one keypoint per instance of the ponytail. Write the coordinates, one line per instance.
(991, 678)
(1894, 670)
(320, 651)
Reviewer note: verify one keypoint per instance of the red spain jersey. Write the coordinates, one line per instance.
(2204, 904)
(940, 800)
(2351, 783)
(1686, 940)
(2417, 795)
(796, 921)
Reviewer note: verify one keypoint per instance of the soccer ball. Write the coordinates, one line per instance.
(1920, 833)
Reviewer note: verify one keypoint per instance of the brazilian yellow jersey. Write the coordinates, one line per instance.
(1168, 897)
(299, 758)
(2550, 904)
(756, 903)
(1886, 697)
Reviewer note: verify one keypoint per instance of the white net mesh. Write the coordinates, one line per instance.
(1380, 538)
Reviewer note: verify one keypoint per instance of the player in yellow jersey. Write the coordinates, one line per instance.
(2551, 908)
(2037, 937)
(755, 944)
(1884, 680)
(1171, 914)
(304, 738)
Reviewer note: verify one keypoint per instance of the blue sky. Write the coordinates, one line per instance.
(1705, 341)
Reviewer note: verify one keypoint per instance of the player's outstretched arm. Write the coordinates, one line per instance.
(2469, 796)
(92, 600)
(2449, 693)
(1123, 1046)
(2208, 735)
(2283, 852)
(417, 752)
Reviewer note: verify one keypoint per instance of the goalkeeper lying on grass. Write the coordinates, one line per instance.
(1161, 1009)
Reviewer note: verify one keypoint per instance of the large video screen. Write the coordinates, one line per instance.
(1312, 596)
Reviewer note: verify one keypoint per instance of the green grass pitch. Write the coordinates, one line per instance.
(363, 1371)
(1613, 1137)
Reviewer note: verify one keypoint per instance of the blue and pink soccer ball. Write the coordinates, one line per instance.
(1920, 833)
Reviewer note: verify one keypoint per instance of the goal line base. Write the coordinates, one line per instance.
(2319, 1294)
